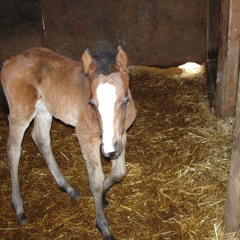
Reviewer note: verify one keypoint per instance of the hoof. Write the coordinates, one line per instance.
(109, 238)
(22, 219)
(107, 235)
(75, 195)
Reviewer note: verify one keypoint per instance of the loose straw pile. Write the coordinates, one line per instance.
(177, 157)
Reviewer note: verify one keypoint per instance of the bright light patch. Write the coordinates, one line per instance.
(191, 67)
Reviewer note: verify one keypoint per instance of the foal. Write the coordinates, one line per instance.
(92, 95)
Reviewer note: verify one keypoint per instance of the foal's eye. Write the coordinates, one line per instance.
(91, 102)
(125, 102)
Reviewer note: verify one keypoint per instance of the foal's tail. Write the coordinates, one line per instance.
(3, 101)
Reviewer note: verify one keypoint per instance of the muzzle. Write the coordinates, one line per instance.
(117, 149)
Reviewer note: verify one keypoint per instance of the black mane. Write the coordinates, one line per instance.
(105, 62)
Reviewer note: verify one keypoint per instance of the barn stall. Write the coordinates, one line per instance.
(178, 151)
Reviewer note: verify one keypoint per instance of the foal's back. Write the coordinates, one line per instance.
(39, 76)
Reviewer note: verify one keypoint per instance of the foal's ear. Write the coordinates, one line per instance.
(121, 61)
(89, 64)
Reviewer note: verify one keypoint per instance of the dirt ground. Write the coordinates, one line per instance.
(178, 157)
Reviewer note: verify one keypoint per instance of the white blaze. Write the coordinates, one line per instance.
(106, 95)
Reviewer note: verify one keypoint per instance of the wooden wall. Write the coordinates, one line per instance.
(13, 11)
(228, 102)
(153, 32)
(214, 28)
(228, 60)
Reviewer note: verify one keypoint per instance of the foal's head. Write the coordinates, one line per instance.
(109, 82)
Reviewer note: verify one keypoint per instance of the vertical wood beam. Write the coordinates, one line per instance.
(230, 75)
(232, 208)
(228, 59)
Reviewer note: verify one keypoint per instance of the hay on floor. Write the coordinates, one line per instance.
(177, 157)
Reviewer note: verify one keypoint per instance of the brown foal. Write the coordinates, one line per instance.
(92, 95)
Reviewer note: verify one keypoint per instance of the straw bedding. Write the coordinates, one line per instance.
(177, 157)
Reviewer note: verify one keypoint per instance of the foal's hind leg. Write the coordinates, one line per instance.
(17, 128)
(41, 137)
(118, 172)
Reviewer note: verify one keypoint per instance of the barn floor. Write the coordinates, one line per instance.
(177, 157)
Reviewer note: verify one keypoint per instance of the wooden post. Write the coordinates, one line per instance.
(228, 59)
(232, 208)
(229, 86)
(231, 77)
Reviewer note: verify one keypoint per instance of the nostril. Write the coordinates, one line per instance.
(117, 149)
(111, 155)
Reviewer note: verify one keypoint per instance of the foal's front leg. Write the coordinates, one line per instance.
(118, 172)
(91, 153)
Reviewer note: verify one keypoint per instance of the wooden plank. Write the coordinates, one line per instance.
(232, 208)
(222, 52)
(228, 61)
